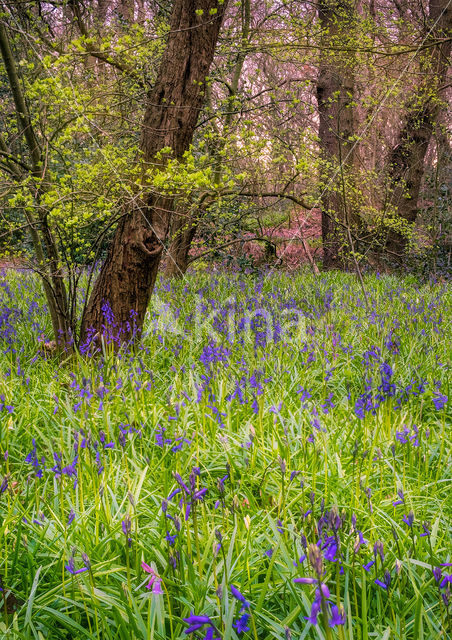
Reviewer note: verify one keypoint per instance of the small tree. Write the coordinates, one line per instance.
(127, 277)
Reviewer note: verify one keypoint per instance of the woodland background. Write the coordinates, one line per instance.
(138, 134)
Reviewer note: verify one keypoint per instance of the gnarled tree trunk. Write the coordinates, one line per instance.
(127, 277)
(406, 158)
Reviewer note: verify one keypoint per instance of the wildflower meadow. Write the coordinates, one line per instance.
(272, 460)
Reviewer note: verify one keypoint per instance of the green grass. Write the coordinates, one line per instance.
(351, 466)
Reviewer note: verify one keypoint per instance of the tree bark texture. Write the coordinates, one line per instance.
(335, 89)
(406, 158)
(183, 230)
(126, 280)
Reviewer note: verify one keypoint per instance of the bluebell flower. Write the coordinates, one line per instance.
(315, 610)
(4, 485)
(337, 617)
(386, 582)
(241, 598)
(126, 526)
(196, 623)
(409, 519)
(190, 494)
(170, 539)
(70, 567)
(155, 582)
(401, 499)
(439, 400)
(306, 580)
(241, 624)
(447, 579)
(360, 541)
(378, 550)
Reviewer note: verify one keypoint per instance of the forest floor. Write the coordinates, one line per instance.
(271, 461)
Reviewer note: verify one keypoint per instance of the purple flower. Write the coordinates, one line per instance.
(322, 594)
(447, 579)
(359, 542)
(337, 617)
(70, 566)
(439, 400)
(402, 436)
(409, 519)
(4, 485)
(198, 622)
(241, 624)
(306, 580)
(315, 610)
(170, 539)
(386, 582)
(155, 583)
(315, 559)
(126, 525)
(401, 499)
(191, 493)
(241, 598)
(378, 550)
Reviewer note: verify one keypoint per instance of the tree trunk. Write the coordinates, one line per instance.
(406, 159)
(335, 86)
(183, 230)
(126, 280)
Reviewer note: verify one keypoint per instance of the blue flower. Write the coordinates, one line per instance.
(70, 566)
(192, 495)
(198, 622)
(315, 610)
(409, 519)
(337, 617)
(241, 598)
(241, 624)
(170, 539)
(4, 485)
(439, 400)
(386, 582)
